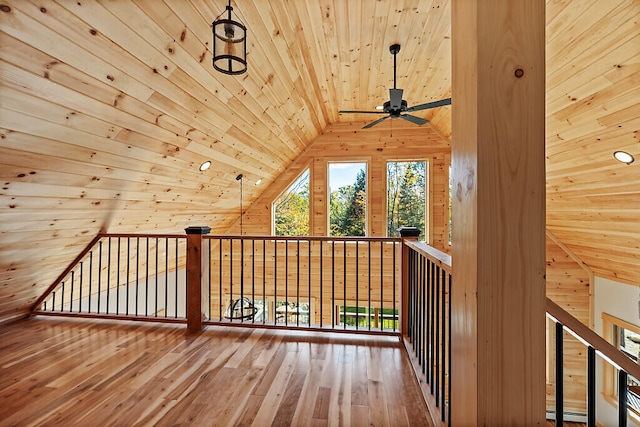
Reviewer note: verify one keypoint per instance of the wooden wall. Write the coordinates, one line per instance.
(569, 282)
(376, 146)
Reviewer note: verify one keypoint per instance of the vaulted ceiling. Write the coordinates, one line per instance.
(109, 107)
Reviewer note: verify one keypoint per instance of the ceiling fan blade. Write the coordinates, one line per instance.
(361, 112)
(395, 98)
(428, 105)
(413, 119)
(375, 122)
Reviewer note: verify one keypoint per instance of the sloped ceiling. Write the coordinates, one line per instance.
(109, 107)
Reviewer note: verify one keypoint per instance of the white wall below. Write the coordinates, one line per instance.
(622, 301)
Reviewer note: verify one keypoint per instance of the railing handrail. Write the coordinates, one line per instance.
(591, 338)
(440, 258)
(304, 238)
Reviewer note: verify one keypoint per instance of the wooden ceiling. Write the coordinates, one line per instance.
(109, 107)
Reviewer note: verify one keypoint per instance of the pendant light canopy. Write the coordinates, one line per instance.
(229, 44)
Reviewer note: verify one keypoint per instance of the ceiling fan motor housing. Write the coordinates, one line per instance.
(394, 112)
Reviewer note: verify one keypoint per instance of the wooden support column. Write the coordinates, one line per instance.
(407, 234)
(195, 269)
(498, 159)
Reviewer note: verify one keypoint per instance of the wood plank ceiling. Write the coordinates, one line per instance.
(109, 107)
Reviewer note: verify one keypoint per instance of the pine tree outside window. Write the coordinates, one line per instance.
(347, 199)
(406, 197)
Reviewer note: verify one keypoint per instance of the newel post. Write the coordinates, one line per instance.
(407, 234)
(195, 274)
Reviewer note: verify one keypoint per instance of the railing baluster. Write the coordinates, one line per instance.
(146, 280)
(90, 280)
(264, 279)
(166, 277)
(443, 367)
(344, 282)
(220, 276)
(298, 282)
(437, 335)
(118, 279)
(81, 284)
(108, 273)
(155, 309)
(559, 375)
(128, 270)
(99, 274)
(622, 398)
(275, 281)
(369, 283)
(309, 281)
(175, 312)
(253, 279)
(242, 280)
(591, 387)
(382, 287)
(449, 353)
(137, 273)
(357, 286)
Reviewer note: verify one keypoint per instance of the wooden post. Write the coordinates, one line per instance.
(498, 168)
(407, 233)
(195, 256)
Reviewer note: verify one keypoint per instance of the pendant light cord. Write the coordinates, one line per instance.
(239, 178)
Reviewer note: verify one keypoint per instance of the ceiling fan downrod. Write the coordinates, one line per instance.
(394, 49)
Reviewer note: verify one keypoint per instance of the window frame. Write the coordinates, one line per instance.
(610, 327)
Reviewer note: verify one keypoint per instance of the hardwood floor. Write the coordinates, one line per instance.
(72, 372)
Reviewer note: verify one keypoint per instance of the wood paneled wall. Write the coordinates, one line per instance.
(569, 282)
(390, 141)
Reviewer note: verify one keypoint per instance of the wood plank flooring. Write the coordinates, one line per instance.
(76, 372)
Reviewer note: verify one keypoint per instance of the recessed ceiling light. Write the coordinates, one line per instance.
(258, 181)
(379, 107)
(206, 165)
(624, 157)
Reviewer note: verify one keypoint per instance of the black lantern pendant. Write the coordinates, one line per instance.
(229, 45)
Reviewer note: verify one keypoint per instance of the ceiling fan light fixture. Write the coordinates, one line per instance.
(229, 44)
(205, 165)
(623, 157)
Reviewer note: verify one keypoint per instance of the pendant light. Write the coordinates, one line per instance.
(229, 44)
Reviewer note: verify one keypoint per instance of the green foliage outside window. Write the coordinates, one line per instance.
(406, 196)
(348, 208)
(291, 209)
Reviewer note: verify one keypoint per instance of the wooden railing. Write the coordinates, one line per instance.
(336, 283)
(426, 326)
(426, 332)
(319, 283)
(360, 284)
(123, 276)
(597, 347)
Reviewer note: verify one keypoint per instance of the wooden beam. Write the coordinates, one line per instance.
(498, 159)
(195, 274)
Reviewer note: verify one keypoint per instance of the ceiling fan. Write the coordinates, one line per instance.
(396, 107)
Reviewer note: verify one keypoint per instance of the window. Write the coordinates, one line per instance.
(368, 317)
(347, 199)
(291, 209)
(406, 197)
(625, 337)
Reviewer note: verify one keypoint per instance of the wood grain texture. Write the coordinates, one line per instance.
(569, 284)
(73, 372)
(108, 108)
(497, 154)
